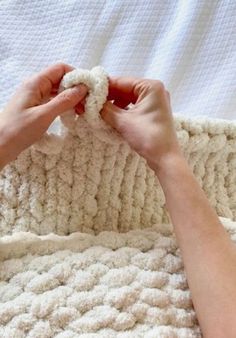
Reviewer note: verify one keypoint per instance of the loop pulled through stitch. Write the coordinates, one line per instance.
(97, 82)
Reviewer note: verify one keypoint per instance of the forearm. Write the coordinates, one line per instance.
(208, 253)
(9, 147)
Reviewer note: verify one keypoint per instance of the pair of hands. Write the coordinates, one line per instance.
(147, 126)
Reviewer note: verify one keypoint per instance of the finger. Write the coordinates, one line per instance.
(55, 88)
(50, 77)
(126, 90)
(35, 88)
(111, 114)
(122, 88)
(41, 84)
(64, 101)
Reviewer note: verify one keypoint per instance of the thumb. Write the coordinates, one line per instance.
(65, 100)
(111, 114)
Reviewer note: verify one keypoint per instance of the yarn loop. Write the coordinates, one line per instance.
(97, 82)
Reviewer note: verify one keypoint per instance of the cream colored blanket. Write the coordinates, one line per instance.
(110, 285)
(88, 179)
(116, 270)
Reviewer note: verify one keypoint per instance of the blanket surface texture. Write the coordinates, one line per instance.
(88, 179)
(112, 285)
(85, 245)
(85, 249)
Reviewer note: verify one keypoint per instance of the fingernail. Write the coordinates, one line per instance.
(81, 89)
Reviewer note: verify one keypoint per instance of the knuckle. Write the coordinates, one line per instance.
(60, 64)
(32, 82)
(159, 87)
(149, 85)
(63, 66)
(29, 82)
(143, 85)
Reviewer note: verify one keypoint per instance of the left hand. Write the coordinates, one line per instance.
(28, 114)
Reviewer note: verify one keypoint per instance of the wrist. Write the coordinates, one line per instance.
(5, 151)
(169, 161)
(2, 159)
(162, 160)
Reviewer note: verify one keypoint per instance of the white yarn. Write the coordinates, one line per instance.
(110, 285)
(115, 284)
(91, 181)
(97, 83)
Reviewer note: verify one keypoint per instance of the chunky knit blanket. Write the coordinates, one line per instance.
(111, 285)
(86, 249)
(88, 179)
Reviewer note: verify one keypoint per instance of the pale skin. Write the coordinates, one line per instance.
(26, 116)
(208, 253)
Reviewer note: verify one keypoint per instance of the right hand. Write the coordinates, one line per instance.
(147, 125)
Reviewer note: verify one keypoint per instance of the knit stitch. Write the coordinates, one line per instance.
(109, 286)
(88, 179)
(125, 282)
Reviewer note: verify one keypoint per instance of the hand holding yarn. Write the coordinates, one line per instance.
(148, 124)
(29, 113)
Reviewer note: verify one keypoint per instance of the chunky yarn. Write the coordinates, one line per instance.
(88, 179)
(85, 247)
(113, 285)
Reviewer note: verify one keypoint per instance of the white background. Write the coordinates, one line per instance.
(189, 45)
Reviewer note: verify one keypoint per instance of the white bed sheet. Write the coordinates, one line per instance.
(189, 45)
